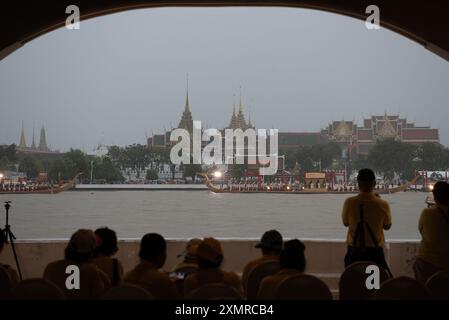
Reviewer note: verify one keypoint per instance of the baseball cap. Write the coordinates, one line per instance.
(191, 249)
(210, 250)
(271, 239)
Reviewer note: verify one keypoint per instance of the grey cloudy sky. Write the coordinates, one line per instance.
(122, 76)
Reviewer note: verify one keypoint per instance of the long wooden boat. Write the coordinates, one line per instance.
(39, 189)
(216, 189)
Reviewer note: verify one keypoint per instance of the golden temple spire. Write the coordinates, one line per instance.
(240, 103)
(22, 143)
(187, 106)
(33, 143)
(186, 121)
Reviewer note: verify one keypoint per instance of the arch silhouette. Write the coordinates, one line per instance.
(21, 21)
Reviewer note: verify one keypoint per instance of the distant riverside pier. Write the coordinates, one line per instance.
(140, 187)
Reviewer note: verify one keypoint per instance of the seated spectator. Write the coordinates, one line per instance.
(12, 273)
(188, 265)
(433, 252)
(210, 257)
(153, 253)
(105, 249)
(190, 260)
(79, 252)
(271, 246)
(292, 261)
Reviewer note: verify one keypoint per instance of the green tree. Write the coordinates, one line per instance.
(11, 153)
(359, 163)
(311, 158)
(237, 171)
(105, 168)
(190, 170)
(304, 158)
(137, 158)
(4, 163)
(391, 156)
(76, 162)
(432, 156)
(8, 156)
(152, 175)
(290, 158)
(46, 165)
(164, 156)
(30, 166)
(114, 153)
(325, 154)
(117, 155)
(58, 171)
(173, 170)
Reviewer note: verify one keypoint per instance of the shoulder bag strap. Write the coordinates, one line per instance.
(360, 230)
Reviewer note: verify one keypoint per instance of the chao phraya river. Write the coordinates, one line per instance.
(186, 214)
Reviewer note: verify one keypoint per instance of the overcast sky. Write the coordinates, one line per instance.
(122, 76)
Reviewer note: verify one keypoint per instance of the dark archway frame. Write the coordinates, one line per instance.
(424, 22)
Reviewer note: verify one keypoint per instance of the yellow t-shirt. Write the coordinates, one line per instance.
(93, 281)
(146, 275)
(377, 214)
(252, 264)
(434, 229)
(270, 284)
(105, 264)
(211, 275)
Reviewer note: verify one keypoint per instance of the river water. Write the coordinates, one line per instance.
(186, 214)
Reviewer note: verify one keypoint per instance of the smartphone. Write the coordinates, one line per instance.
(177, 275)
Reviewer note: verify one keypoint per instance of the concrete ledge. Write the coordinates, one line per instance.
(324, 257)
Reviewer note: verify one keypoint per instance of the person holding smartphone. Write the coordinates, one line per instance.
(433, 251)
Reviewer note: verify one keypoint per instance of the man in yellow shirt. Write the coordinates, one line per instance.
(79, 252)
(433, 252)
(210, 257)
(153, 253)
(189, 262)
(292, 260)
(366, 216)
(271, 246)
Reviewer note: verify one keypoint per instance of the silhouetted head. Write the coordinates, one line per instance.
(210, 253)
(190, 253)
(106, 242)
(271, 242)
(292, 255)
(441, 193)
(2, 239)
(81, 246)
(366, 180)
(153, 248)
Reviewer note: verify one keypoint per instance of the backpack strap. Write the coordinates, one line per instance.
(360, 230)
(373, 238)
